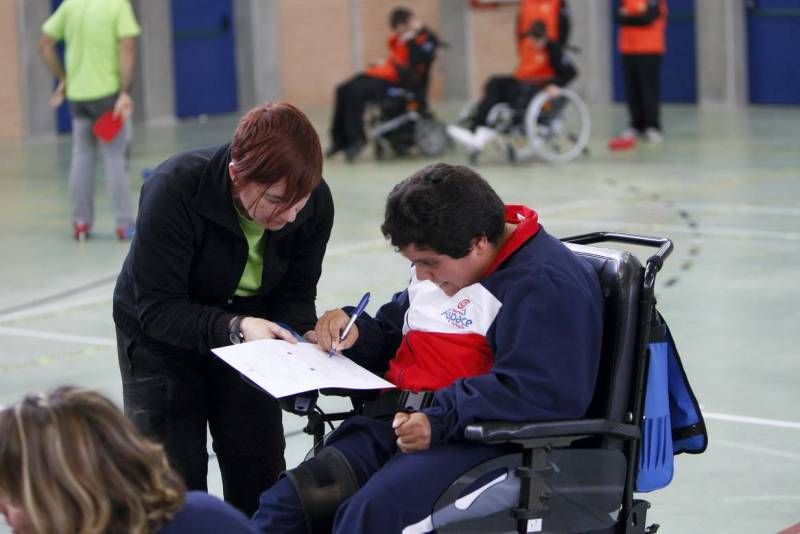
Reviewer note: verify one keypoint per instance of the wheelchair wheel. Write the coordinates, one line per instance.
(466, 114)
(557, 127)
(501, 117)
(431, 137)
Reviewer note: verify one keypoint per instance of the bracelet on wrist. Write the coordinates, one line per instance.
(235, 334)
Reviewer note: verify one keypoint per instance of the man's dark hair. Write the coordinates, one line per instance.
(538, 29)
(398, 16)
(443, 208)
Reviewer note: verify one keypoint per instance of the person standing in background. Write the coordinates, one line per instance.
(642, 43)
(100, 38)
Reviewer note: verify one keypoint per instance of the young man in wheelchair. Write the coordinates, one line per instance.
(542, 66)
(500, 321)
(411, 48)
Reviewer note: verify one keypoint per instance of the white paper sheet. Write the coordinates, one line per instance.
(282, 368)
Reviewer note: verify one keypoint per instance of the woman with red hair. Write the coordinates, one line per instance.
(229, 242)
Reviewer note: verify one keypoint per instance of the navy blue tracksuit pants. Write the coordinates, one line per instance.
(397, 489)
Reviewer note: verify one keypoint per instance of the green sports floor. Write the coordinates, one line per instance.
(724, 186)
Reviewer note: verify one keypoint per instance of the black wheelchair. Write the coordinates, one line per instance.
(571, 476)
(402, 122)
(554, 129)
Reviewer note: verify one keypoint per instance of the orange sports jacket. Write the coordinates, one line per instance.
(548, 11)
(534, 63)
(405, 58)
(389, 68)
(642, 27)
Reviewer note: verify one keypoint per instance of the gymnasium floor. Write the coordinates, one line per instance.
(724, 186)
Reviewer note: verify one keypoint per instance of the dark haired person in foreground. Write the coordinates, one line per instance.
(229, 241)
(500, 321)
(71, 462)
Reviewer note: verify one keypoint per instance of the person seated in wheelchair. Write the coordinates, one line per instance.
(543, 65)
(411, 48)
(402, 121)
(500, 321)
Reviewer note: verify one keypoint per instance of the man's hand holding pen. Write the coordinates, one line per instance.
(335, 329)
(329, 328)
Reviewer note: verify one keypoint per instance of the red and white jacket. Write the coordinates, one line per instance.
(523, 343)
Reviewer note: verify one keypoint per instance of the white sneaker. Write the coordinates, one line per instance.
(462, 136)
(484, 135)
(653, 136)
(627, 133)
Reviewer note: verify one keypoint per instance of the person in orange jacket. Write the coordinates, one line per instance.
(554, 13)
(542, 66)
(411, 47)
(642, 43)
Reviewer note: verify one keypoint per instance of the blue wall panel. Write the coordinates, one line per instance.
(205, 58)
(773, 35)
(63, 118)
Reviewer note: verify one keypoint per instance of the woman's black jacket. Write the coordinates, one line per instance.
(176, 288)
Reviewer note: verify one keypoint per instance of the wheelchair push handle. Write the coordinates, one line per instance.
(657, 260)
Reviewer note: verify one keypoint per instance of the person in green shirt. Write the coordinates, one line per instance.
(95, 78)
(228, 249)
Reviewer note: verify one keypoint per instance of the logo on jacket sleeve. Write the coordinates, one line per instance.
(457, 316)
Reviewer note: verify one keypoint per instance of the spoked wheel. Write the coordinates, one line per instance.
(558, 127)
(431, 137)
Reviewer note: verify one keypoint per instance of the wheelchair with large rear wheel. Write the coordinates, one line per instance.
(554, 129)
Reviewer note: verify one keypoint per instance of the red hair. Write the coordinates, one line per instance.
(275, 141)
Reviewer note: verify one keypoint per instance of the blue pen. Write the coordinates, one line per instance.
(362, 304)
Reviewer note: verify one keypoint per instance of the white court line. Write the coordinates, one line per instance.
(55, 336)
(724, 208)
(751, 420)
(343, 250)
(53, 309)
(754, 448)
(738, 233)
(763, 498)
(106, 342)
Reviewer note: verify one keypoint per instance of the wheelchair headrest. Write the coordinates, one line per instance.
(620, 275)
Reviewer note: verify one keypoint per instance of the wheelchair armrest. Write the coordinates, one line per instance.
(356, 395)
(501, 431)
(344, 392)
